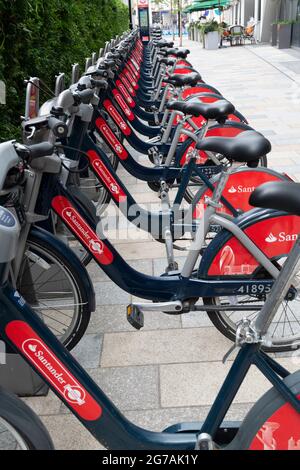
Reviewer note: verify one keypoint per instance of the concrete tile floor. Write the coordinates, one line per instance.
(140, 371)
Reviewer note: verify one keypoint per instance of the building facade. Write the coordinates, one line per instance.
(264, 14)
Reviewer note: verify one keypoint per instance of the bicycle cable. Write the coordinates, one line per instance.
(77, 171)
(47, 90)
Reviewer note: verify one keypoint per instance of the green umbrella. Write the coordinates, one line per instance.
(206, 5)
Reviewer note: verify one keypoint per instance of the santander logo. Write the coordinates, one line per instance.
(117, 117)
(95, 245)
(111, 139)
(72, 391)
(241, 189)
(123, 105)
(107, 178)
(271, 238)
(59, 377)
(83, 231)
(281, 237)
(125, 93)
(232, 190)
(53, 370)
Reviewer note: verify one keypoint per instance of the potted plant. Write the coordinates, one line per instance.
(296, 33)
(284, 31)
(191, 31)
(274, 40)
(210, 33)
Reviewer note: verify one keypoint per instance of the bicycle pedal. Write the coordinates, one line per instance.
(135, 316)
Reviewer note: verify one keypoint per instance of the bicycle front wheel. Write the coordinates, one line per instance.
(53, 288)
(20, 427)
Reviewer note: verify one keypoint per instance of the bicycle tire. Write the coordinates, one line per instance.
(81, 322)
(24, 422)
(224, 325)
(271, 409)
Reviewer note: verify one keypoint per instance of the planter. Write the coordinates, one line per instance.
(296, 35)
(211, 40)
(274, 40)
(284, 36)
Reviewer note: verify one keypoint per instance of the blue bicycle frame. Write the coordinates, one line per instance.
(25, 332)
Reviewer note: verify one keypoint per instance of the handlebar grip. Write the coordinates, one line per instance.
(109, 63)
(101, 73)
(59, 128)
(39, 150)
(84, 96)
(99, 83)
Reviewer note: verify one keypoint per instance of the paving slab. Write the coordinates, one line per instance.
(200, 383)
(112, 318)
(165, 347)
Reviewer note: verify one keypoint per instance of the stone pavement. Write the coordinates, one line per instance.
(172, 369)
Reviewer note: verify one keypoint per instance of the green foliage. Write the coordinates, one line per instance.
(208, 27)
(285, 22)
(44, 37)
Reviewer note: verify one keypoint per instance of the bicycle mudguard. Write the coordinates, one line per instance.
(273, 232)
(240, 185)
(271, 424)
(200, 121)
(229, 129)
(61, 248)
(200, 88)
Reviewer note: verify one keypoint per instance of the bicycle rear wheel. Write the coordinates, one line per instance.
(272, 424)
(284, 331)
(20, 427)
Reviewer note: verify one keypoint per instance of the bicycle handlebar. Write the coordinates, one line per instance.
(84, 96)
(59, 128)
(99, 83)
(31, 152)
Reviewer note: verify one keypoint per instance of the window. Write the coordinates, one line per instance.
(298, 11)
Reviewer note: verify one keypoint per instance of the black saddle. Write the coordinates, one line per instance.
(218, 110)
(246, 147)
(180, 80)
(163, 43)
(182, 53)
(176, 105)
(179, 53)
(284, 196)
(167, 61)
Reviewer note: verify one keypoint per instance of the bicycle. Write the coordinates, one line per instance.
(47, 273)
(273, 423)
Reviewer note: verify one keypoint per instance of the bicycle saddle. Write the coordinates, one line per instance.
(246, 147)
(220, 109)
(176, 105)
(182, 54)
(282, 196)
(179, 80)
(167, 61)
(163, 43)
